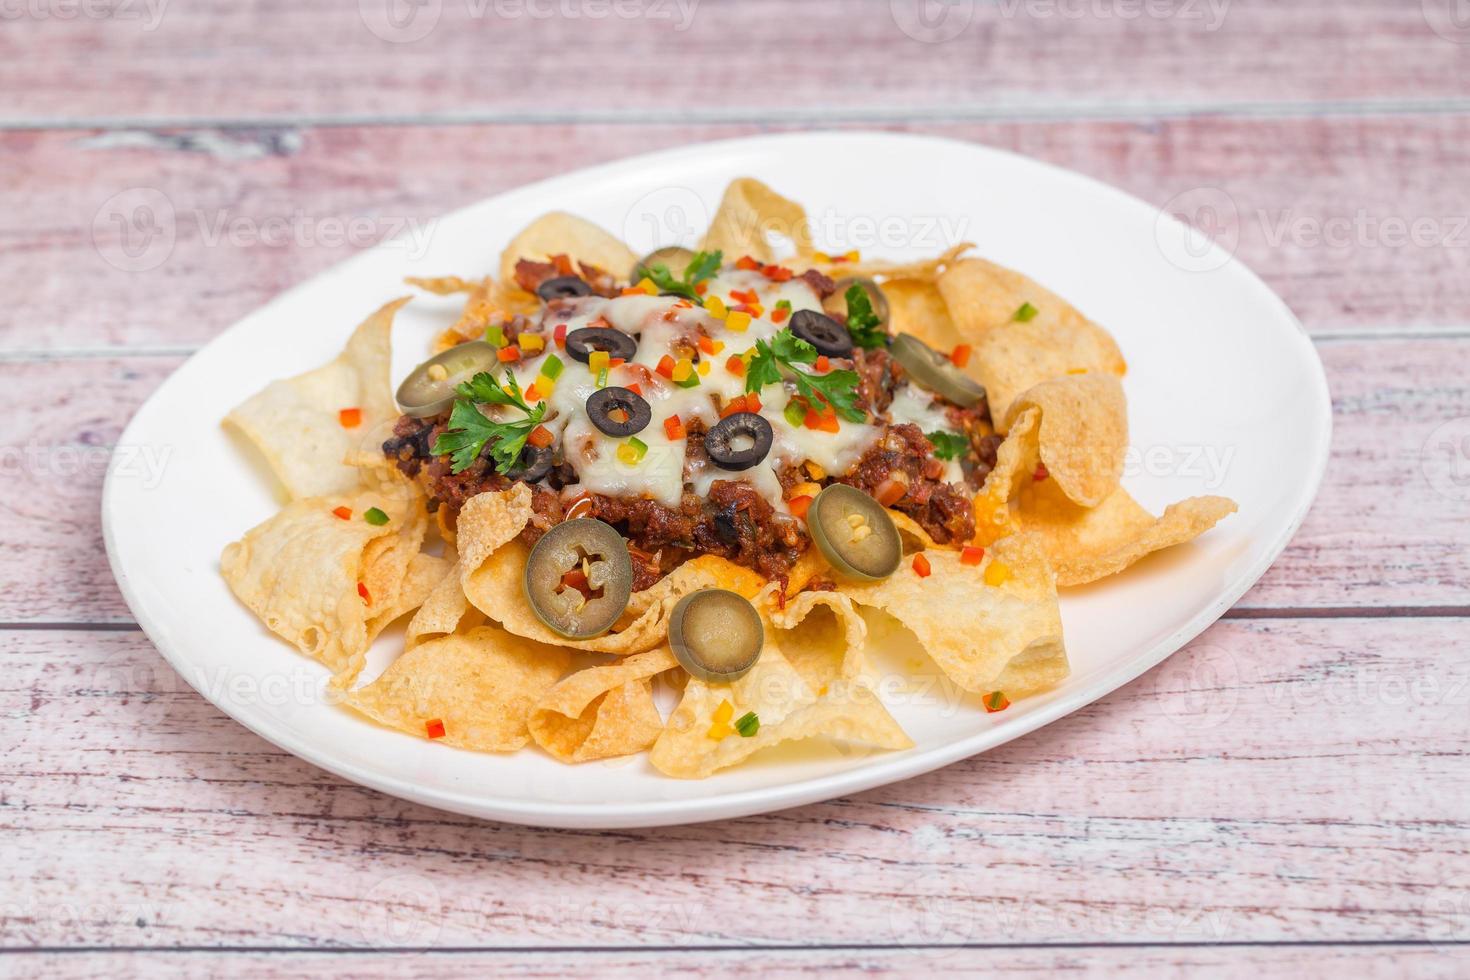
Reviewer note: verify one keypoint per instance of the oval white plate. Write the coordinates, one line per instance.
(1226, 396)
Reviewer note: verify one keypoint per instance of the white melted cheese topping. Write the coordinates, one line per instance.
(665, 326)
(916, 406)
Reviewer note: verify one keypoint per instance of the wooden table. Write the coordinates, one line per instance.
(1289, 796)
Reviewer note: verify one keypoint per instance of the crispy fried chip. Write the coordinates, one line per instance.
(921, 271)
(1086, 544)
(1081, 435)
(602, 712)
(480, 685)
(748, 212)
(1011, 356)
(986, 637)
(916, 307)
(788, 707)
(489, 302)
(297, 423)
(301, 571)
(425, 574)
(559, 233)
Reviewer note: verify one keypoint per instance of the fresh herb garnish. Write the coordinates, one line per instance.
(1026, 313)
(470, 431)
(703, 266)
(864, 325)
(748, 724)
(835, 388)
(948, 445)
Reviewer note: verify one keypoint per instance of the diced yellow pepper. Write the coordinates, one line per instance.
(628, 455)
(715, 307)
(996, 573)
(597, 361)
(821, 257)
(716, 346)
(531, 342)
(702, 367)
(545, 385)
(721, 727)
(683, 368)
(646, 284)
(814, 471)
(738, 321)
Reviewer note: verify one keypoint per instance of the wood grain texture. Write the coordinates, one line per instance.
(749, 60)
(1382, 533)
(1327, 210)
(1274, 782)
(1286, 962)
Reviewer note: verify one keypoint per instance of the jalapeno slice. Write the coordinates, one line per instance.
(579, 577)
(837, 302)
(429, 388)
(716, 635)
(854, 533)
(935, 372)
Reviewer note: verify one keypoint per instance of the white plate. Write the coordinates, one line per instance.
(1225, 391)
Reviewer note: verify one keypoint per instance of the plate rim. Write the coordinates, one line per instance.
(885, 769)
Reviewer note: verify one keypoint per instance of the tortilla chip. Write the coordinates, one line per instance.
(489, 302)
(747, 213)
(559, 233)
(480, 685)
(788, 706)
(1082, 434)
(425, 573)
(922, 271)
(444, 610)
(1005, 637)
(1010, 356)
(916, 307)
(296, 423)
(300, 572)
(1086, 544)
(602, 712)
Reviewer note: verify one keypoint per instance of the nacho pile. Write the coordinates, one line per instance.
(664, 504)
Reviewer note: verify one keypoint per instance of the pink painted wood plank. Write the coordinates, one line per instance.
(1389, 528)
(1278, 781)
(273, 61)
(1321, 208)
(1287, 963)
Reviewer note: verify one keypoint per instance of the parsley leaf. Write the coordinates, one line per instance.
(470, 431)
(864, 325)
(948, 445)
(701, 267)
(836, 388)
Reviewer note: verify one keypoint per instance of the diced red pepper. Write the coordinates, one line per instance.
(799, 505)
(705, 344)
(540, 437)
(343, 512)
(615, 362)
(752, 402)
(700, 288)
(434, 728)
(532, 394)
(780, 313)
(350, 418)
(363, 591)
(601, 323)
(921, 565)
(508, 355)
(1041, 473)
(777, 273)
(971, 555)
(736, 404)
(890, 492)
(560, 335)
(747, 263)
(666, 366)
(636, 389)
(745, 295)
(960, 355)
(563, 264)
(735, 366)
(996, 701)
(823, 364)
(674, 428)
(631, 291)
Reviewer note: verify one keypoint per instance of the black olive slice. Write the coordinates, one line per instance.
(582, 342)
(716, 635)
(532, 464)
(563, 287)
(429, 388)
(738, 441)
(854, 533)
(674, 258)
(934, 372)
(604, 405)
(822, 332)
(579, 577)
(837, 302)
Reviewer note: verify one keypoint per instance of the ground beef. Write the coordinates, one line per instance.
(878, 374)
(904, 454)
(823, 285)
(530, 275)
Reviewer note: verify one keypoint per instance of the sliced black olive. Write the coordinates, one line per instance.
(738, 441)
(822, 332)
(587, 548)
(581, 343)
(933, 371)
(854, 533)
(532, 464)
(563, 287)
(674, 258)
(716, 635)
(837, 302)
(604, 405)
(429, 388)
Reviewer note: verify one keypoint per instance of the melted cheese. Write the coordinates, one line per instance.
(914, 405)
